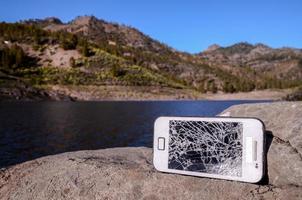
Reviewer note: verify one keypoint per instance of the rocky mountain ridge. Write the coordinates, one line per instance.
(278, 62)
(91, 51)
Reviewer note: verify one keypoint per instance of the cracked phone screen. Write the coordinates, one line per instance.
(207, 147)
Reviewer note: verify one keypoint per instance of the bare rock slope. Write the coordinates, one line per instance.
(127, 173)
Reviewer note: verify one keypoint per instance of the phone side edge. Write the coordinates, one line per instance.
(156, 153)
(260, 138)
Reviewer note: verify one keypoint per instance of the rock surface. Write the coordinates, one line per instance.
(284, 121)
(127, 173)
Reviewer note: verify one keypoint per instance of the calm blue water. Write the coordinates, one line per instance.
(30, 130)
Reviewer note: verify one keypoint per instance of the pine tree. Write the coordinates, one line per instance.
(211, 86)
(72, 62)
(85, 49)
(201, 87)
(228, 87)
(13, 58)
(300, 63)
(68, 41)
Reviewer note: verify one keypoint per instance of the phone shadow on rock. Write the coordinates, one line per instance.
(269, 139)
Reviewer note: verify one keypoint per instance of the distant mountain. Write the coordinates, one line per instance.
(281, 63)
(91, 52)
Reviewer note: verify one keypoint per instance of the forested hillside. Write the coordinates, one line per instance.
(87, 51)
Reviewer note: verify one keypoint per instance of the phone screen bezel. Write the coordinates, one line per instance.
(252, 127)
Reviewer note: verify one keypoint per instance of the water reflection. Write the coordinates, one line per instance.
(33, 129)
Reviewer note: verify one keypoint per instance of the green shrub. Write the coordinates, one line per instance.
(117, 71)
(14, 57)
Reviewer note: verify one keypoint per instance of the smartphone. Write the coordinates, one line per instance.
(220, 147)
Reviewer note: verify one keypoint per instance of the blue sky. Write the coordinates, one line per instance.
(187, 25)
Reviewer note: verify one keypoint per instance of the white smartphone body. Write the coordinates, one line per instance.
(219, 147)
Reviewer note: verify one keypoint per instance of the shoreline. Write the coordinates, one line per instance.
(143, 93)
(130, 93)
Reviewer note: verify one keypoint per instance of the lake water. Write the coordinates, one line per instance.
(30, 130)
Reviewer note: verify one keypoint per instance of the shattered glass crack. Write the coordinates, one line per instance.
(208, 147)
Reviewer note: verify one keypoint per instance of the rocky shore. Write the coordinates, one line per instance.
(25, 92)
(127, 173)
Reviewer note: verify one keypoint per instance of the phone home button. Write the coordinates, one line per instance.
(161, 143)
